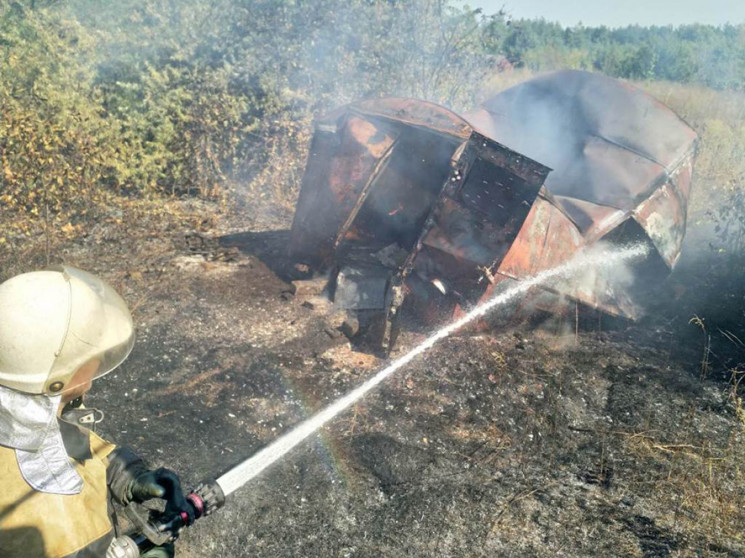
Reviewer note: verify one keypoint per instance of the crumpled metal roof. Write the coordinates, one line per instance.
(607, 142)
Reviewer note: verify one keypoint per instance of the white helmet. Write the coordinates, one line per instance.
(55, 321)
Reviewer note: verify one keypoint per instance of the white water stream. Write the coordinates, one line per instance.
(253, 466)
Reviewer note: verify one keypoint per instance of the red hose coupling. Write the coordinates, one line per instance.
(197, 503)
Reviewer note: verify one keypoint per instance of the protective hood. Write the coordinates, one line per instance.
(28, 424)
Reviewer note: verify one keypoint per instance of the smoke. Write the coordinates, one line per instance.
(606, 284)
(231, 88)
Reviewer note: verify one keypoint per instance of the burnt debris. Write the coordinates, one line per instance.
(404, 201)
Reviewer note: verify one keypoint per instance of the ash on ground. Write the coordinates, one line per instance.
(513, 443)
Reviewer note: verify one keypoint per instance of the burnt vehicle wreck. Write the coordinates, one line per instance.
(404, 201)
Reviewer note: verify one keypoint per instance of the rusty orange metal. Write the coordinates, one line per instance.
(444, 209)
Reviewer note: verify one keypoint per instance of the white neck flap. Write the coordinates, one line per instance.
(28, 424)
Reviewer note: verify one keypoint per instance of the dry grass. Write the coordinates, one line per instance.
(698, 486)
(121, 224)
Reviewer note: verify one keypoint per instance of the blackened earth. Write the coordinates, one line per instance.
(510, 443)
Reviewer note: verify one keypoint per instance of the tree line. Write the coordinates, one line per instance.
(712, 56)
(189, 97)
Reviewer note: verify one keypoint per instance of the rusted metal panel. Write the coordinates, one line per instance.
(460, 165)
(598, 290)
(548, 238)
(531, 172)
(611, 175)
(362, 197)
(592, 220)
(480, 224)
(340, 165)
(663, 218)
(682, 177)
(480, 211)
(404, 191)
(415, 112)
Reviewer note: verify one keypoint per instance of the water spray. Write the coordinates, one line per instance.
(210, 495)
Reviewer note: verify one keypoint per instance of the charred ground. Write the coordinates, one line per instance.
(517, 443)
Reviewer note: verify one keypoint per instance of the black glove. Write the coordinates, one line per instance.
(165, 484)
(130, 479)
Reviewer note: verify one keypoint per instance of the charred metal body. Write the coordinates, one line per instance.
(404, 200)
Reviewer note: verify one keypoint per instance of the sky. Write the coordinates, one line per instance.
(618, 13)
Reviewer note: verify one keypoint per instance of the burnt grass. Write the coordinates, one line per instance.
(505, 443)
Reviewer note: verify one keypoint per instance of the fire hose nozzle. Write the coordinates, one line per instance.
(205, 499)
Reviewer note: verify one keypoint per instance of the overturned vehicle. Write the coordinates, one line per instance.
(404, 202)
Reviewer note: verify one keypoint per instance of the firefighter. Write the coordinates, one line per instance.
(59, 330)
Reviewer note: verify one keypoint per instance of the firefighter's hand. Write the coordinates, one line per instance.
(165, 551)
(165, 484)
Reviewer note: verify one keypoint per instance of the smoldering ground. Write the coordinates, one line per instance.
(509, 443)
